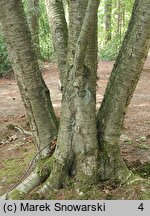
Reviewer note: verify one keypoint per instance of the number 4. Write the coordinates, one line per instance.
(141, 207)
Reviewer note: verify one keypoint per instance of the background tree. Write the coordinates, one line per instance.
(108, 51)
(87, 149)
(120, 10)
(108, 11)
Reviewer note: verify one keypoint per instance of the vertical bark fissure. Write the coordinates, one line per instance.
(34, 91)
(119, 91)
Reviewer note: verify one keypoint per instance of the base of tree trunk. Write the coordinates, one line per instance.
(49, 176)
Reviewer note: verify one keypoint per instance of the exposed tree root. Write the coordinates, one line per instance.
(49, 176)
(38, 176)
(54, 181)
(20, 129)
(20, 192)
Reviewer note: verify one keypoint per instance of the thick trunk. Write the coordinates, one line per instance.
(122, 83)
(76, 151)
(33, 21)
(34, 91)
(79, 93)
(108, 9)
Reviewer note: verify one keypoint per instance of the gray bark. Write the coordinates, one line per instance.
(122, 83)
(34, 91)
(76, 150)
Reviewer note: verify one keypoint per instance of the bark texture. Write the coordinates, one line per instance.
(34, 91)
(76, 151)
(122, 83)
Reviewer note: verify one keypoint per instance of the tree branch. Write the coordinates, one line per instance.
(82, 42)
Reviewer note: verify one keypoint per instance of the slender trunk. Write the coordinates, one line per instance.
(123, 15)
(58, 26)
(33, 21)
(122, 83)
(34, 91)
(119, 20)
(108, 10)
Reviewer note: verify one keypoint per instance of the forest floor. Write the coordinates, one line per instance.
(17, 149)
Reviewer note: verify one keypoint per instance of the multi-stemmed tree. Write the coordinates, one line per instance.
(87, 143)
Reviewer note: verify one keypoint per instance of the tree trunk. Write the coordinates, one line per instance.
(34, 92)
(122, 83)
(76, 151)
(58, 26)
(33, 21)
(108, 10)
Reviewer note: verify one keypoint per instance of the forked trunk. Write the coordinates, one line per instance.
(76, 151)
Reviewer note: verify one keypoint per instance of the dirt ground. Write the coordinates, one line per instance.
(17, 149)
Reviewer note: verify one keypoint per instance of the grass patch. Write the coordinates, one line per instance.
(13, 169)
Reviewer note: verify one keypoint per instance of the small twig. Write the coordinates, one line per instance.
(29, 167)
(23, 131)
(20, 129)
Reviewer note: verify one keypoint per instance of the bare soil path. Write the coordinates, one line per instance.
(14, 147)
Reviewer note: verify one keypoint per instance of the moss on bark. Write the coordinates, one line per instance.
(17, 195)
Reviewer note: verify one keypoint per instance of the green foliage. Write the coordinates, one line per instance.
(110, 50)
(107, 51)
(120, 17)
(4, 60)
